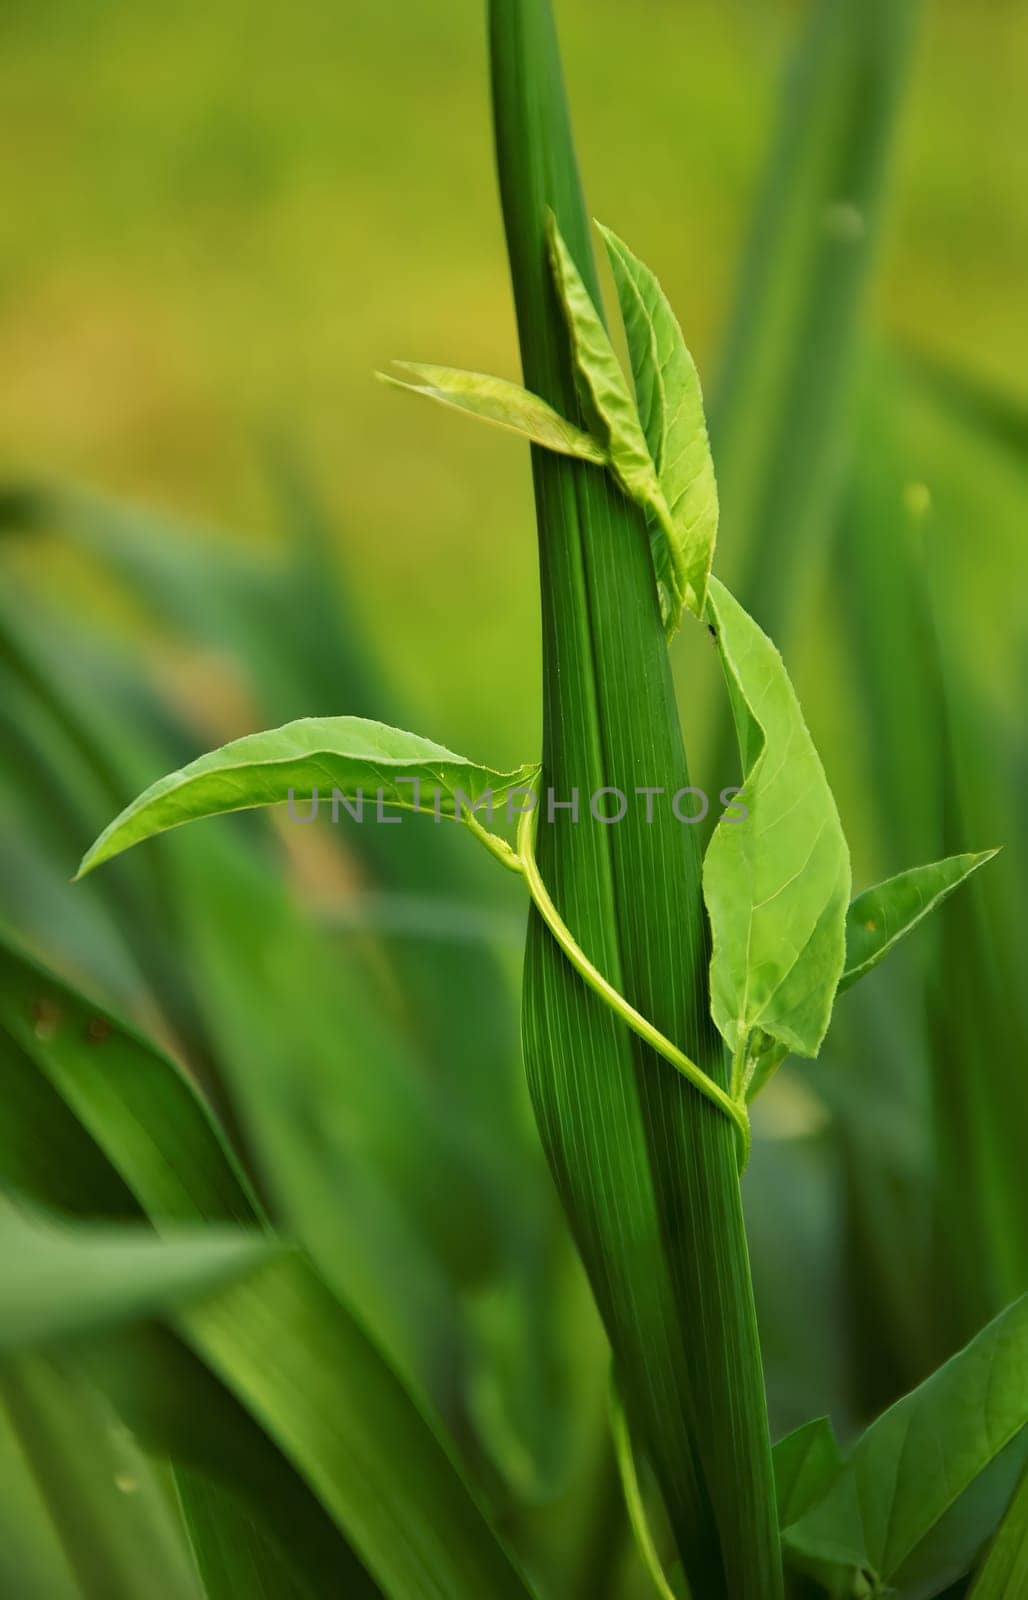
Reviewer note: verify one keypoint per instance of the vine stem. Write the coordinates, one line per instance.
(625, 1456)
(523, 860)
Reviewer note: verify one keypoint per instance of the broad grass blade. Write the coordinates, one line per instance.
(292, 1354)
(645, 1168)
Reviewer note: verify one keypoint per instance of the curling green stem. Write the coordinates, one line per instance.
(494, 844)
(638, 1522)
(735, 1109)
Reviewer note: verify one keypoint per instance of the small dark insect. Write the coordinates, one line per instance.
(712, 631)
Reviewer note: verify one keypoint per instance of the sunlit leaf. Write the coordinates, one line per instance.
(670, 401)
(611, 409)
(369, 763)
(496, 400)
(777, 882)
(880, 917)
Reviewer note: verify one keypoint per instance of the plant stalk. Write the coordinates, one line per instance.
(645, 1164)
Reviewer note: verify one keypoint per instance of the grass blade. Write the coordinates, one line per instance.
(780, 423)
(60, 1283)
(327, 1399)
(645, 1167)
(111, 1512)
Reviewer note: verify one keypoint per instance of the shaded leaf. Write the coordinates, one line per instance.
(496, 400)
(879, 917)
(920, 1464)
(670, 401)
(359, 758)
(1004, 1572)
(777, 882)
(105, 1499)
(292, 1354)
(807, 1462)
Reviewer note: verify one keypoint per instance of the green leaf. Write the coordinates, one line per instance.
(614, 418)
(180, 1411)
(361, 759)
(60, 1282)
(1004, 1572)
(777, 882)
(670, 401)
(496, 400)
(878, 919)
(807, 1462)
(908, 1503)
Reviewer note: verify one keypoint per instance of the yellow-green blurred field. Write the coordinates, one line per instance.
(219, 219)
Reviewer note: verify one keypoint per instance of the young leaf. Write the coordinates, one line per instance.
(807, 1462)
(360, 759)
(611, 409)
(496, 400)
(667, 389)
(777, 882)
(908, 1503)
(878, 919)
(60, 1282)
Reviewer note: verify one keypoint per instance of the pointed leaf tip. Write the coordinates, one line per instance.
(495, 400)
(880, 917)
(364, 761)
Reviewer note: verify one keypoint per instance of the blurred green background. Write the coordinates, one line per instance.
(218, 222)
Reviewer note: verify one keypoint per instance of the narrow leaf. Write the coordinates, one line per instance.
(61, 1282)
(880, 917)
(777, 882)
(496, 400)
(296, 1359)
(670, 401)
(909, 1474)
(362, 760)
